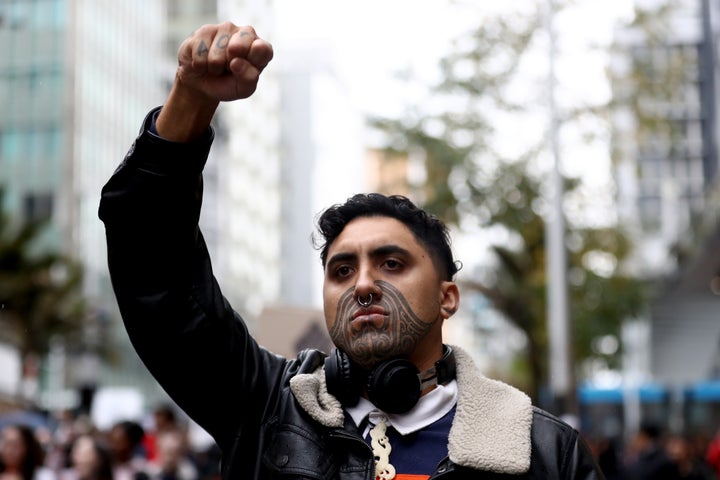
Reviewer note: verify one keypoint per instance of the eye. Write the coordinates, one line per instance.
(392, 264)
(343, 271)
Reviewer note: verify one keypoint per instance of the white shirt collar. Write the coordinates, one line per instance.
(430, 408)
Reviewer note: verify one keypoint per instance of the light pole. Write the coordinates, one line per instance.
(556, 266)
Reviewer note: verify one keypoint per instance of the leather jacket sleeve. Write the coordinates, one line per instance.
(180, 324)
(558, 448)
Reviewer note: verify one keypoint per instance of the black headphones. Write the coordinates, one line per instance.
(394, 386)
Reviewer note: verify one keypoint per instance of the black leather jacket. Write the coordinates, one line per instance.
(264, 411)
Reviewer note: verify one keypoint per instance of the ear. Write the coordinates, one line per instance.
(449, 299)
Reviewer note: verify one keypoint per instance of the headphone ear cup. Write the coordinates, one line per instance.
(394, 386)
(341, 382)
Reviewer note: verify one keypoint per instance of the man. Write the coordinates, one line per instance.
(647, 456)
(391, 401)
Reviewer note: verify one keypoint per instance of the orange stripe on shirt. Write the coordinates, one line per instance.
(409, 476)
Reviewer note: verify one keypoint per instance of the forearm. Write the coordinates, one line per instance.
(185, 116)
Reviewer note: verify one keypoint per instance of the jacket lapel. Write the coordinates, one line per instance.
(491, 429)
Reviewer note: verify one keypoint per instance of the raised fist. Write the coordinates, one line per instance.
(222, 62)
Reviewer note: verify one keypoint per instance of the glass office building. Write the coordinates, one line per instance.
(76, 78)
(33, 82)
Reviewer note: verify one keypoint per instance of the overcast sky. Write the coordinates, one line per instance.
(369, 41)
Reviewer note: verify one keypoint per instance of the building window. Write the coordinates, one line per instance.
(10, 144)
(37, 207)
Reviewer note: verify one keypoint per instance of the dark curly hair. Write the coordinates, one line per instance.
(430, 231)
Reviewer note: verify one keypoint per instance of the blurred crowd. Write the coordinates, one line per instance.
(160, 449)
(654, 454)
(75, 449)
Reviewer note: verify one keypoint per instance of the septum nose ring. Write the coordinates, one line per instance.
(367, 302)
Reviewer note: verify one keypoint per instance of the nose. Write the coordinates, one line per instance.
(366, 289)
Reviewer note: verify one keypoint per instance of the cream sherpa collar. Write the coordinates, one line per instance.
(491, 429)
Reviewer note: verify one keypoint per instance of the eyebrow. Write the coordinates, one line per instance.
(389, 250)
(341, 257)
(377, 252)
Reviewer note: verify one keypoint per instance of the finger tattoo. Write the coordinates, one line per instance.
(202, 49)
(222, 41)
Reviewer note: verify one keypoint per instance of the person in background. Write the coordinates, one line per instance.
(688, 464)
(391, 400)
(712, 455)
(164, 419)
(128, 458)
(646, 458)
(63, 436)
(172, 462)
(21, 455)
(89, 460)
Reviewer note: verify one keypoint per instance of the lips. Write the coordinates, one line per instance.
(373, 316)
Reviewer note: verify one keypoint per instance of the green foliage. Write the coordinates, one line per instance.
(468, 181)
(39, 290)
(600, 298)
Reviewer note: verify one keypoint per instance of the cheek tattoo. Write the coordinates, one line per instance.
(397, 336)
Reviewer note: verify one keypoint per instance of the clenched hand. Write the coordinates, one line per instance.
(216, 63)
